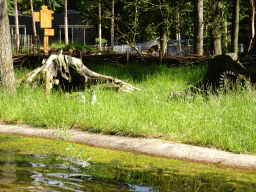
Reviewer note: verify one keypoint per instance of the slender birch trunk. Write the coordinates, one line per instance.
(16, 26)
(198, 31)
(112, 24)
(251, 25)
(100, 48)
(66, 22)
(33, 20)
(235, 27)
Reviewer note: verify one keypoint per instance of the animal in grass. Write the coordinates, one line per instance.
(81, 97)
(224, 73)
(93, 99)
(153, 48)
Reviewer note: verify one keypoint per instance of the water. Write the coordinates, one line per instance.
(25, 175)
(52, 173)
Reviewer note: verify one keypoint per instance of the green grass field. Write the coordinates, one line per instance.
(226, 121)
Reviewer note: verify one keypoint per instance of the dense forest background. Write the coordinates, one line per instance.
(147, 20)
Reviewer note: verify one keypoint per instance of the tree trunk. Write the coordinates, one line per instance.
(235, 27)
(251, 26)
(33, 21)
(112, 24)
(66, 22)
(198, 29)
(178, 23)
(215, 31)
(100, 48)
(225, 26)
(216, 41)
(17, 40)
(7, 80)
(163, 39)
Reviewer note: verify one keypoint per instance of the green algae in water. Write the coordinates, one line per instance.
(40, 164)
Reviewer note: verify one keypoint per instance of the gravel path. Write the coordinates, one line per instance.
(154, 147)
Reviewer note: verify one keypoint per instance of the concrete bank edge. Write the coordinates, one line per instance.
(154, 147)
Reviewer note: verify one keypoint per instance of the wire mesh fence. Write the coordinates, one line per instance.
(24, 44)
(174, 47)
(179, 47)
(141, 47)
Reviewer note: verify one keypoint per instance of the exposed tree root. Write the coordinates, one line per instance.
(71, 74)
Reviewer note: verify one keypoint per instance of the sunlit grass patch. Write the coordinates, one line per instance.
(224, 121)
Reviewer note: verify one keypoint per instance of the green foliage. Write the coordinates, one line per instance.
(24, 5)
(102, 40)
(74, 46)
(150, 16)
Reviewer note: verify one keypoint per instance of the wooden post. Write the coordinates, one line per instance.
(28, 44)
(47, 84)
(16, 40)
(25, 43)
(127, 56)
(46, 42)
(38, 49)
(45, 18)
(21, 43)
(160, 55)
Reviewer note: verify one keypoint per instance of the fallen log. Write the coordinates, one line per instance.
(71, 75)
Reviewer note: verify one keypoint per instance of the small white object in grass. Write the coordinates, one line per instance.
(81, 97)
(94, 99)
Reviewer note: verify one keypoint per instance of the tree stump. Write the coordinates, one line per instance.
(222, 71)
(71, 74)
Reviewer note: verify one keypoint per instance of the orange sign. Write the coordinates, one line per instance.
(46, 17)
(49, 32)
(36, 16)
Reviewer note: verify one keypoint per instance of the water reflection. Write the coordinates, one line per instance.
(37, 176)
(54, 173)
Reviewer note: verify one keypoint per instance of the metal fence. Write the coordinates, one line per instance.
(179, 47)
(141, 47)
(26, 44)
(174, 47)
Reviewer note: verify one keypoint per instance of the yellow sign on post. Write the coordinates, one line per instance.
(49, 32)
(36, 16)
(45, 18)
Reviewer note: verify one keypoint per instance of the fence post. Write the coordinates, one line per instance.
(38, 49)
(16, 43)
(12, 42)
(127, 56)
(20, 43)
(29, 42)
(25, 42)
(160, 55)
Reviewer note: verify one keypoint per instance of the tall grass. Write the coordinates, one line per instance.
(224, 121)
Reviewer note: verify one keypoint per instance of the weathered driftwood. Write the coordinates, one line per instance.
(223, 72)
(71, 74)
